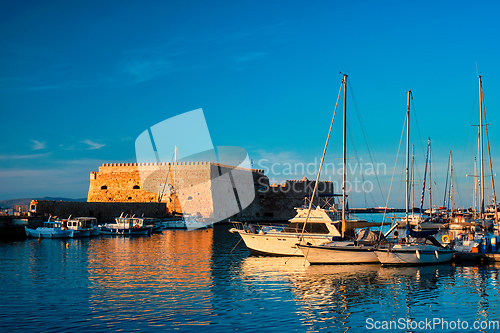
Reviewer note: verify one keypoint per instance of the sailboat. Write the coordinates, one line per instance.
(420, 221)
(355, 249)
(184, 221)
(418, 247)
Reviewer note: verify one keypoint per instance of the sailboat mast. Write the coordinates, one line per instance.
(407, 158)
(474, 193)
(451, 203)
(344, 158)
(412, 179)
(430, 180)
(481, 166)
(173, 185)
(489, 157)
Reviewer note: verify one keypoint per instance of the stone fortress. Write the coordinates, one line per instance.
(147, 188)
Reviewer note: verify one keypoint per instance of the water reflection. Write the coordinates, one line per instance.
(199, 281)
(156, 281)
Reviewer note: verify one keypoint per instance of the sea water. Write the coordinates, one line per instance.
(207, 281)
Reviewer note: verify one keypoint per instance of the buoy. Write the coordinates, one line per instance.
(67, 245)
(417, 254)
(436, 253)
(446, 239)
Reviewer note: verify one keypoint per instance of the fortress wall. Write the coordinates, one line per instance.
(103, 211)
(201, 187)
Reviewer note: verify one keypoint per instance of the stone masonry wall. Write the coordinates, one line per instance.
(197, 191)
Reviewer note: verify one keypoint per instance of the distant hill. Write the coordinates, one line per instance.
(26, 201)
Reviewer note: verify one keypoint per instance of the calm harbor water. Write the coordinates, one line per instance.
(193, 282)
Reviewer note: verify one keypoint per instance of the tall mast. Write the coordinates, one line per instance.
(175, 167)
(489, 157)
(412, 179)
(407, 158)
(446, 192)
(451, 202)
(474, 193)
(430, 180)
(481, 166)
(344, 158)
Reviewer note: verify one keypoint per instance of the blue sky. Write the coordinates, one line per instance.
(80, 80)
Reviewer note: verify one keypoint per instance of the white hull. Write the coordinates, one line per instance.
(412, 254)
(181, 224)
(279, 244)
(48, 233)
(339, 253)
(142, 231)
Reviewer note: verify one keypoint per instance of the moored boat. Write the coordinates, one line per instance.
(281, 240)
(83, 226)
(126, 226)
(419, 246)
(50, 229)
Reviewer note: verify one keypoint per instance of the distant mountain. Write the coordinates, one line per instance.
(26, 201)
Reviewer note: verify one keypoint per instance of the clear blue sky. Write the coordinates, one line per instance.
(80, 80)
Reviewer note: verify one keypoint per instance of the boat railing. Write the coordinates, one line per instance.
(255, 228)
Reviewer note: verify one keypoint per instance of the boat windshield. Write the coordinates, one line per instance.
(311, 228)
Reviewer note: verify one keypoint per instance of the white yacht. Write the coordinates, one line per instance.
(282, 240)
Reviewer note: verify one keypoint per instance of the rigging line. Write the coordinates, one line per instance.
(394, 170)
(160, 195)
(356, 157)
(235, 246)
(166, 179)
(455, 188)
(446, 183)
(321, 164)
(381, 187)
(468, 133)
(418, 127)
(491, 167)
(435, 189)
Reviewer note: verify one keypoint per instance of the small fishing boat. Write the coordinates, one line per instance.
(83, 226)
(50, 229)
(126, 226)
(188, 222)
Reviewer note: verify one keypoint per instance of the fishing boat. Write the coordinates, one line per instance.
(418, 246)
(83, 226)
(349, 248)
(186, 222)
(50, 229)
(126, 226)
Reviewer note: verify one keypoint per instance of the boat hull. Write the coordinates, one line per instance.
(143, 231)
(317, 255)
(186, 225)
(81, 233)
(279, 245)
(48, 233)
(414, 255)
